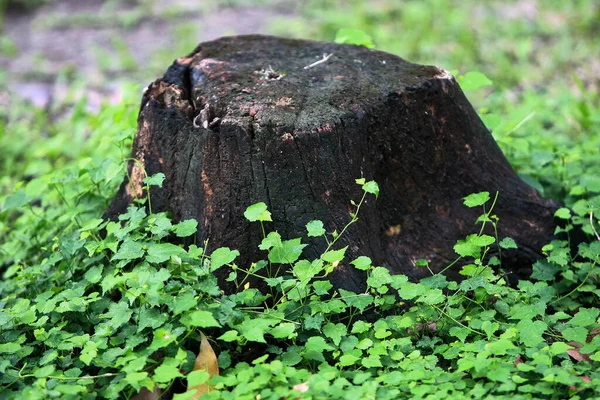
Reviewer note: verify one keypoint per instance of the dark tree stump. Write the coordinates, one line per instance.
(241, 120)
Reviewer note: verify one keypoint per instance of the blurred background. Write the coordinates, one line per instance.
(47, 45)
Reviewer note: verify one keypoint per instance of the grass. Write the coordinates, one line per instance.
(93, 309)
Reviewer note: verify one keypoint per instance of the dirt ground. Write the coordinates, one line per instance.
(107, 42)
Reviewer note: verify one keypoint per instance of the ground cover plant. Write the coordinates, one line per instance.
(98, 309)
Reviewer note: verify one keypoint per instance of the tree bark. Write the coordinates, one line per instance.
(241, 120)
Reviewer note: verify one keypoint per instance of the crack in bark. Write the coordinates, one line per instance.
(264, 170)
(187, 87)
(190, 157)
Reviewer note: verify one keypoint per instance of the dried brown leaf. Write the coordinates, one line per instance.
(205, 361)
(518, 360)
(301, 387)
(577, 355)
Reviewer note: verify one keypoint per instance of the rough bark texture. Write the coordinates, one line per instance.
(241, 120)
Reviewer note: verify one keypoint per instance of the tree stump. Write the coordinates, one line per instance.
(245, 119)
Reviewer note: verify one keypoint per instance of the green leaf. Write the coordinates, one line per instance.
(489, 328)
(372, 361)
(222, 256)
(186, 228)
(305, 270)
(398, 281)
(273, 239)
(44, 372)
(464, 248)
(88, 353)
(10, 347)
(315, 346)
(195, 378)
(134, 378)
(508, 243)
(285, 330)
(432, 296)
(559, 348)
(371, 187)
(361, 327)
(575, 334)
(315, 229)
(151, 318)
(347, 360)
(334, 256)
(161, 225)
(229, 336)
(459, 332)
(584, 317)
(166, 373)
(364, 344)
(357, 300)
(363, 263)
(184, 301)
(287, 253)
(291, 357)
(200, 318)
(155, 180)
(255, 329)
(94, 274)
(481, 241)
(129, 250)
(409, 290)
(260, 359)
(472, 245)
(378, 277)
(70, 390)
(527, 311)
(498, 347)
(473, 80)
(476, 199)
(16, 200)
(161, 252)
(322, 287)
(92, 224)
(118, 314)
(421, 263)
(48, 356)
(591, 183)
(335, 332)
(257, 212)
(314, 322)
(162, 338)
(563, 213)
(353, 36)
(530, 333)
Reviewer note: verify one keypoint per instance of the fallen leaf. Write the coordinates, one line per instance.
(593, 333)
(578, 356)
(301, 387)
(205, 361)
(518, 360)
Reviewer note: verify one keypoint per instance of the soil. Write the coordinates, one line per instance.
(75, 40)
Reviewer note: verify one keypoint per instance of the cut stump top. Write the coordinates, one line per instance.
(277, 80)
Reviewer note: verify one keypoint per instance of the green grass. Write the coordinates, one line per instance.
(95, 309)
